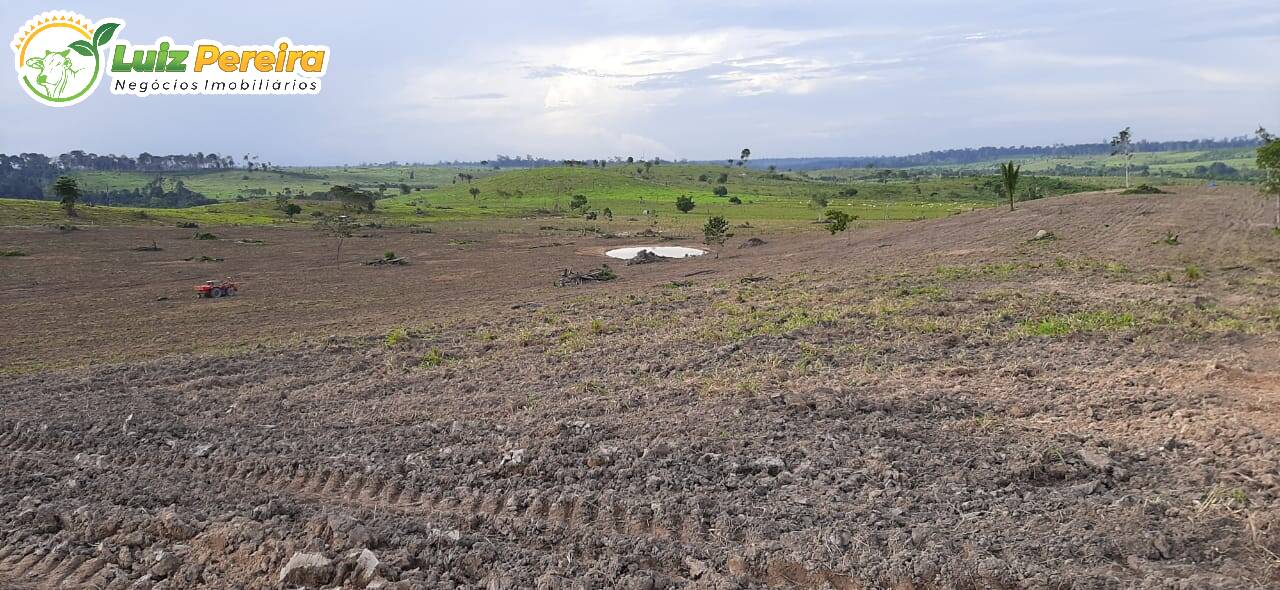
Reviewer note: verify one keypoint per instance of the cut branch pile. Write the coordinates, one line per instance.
(568, 277)
(399, 261)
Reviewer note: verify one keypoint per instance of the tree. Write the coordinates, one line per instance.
(337, 226)
(715, 232)
(819, 200)
(720, 191)
(474, 192)
(352, 198)
(684, 203)
(1009, 173)
(1269, 162)
(68, 192)
(837, 221)
(292, 209)
(1122, 145)
(746, 153)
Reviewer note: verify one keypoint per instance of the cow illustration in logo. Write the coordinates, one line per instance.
(55, 71)
(59, 57)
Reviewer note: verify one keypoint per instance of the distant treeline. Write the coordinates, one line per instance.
(144, 162)
(29, 175)
(959, 157)
(504, 161)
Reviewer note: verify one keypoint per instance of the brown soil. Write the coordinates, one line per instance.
(938, 404)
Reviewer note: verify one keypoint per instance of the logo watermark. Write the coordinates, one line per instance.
(61, 57)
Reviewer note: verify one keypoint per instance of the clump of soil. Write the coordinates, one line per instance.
(752, 243)
(1143, 189)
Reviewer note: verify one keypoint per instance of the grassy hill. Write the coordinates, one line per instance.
(629, 192)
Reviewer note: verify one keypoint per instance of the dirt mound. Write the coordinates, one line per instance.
(644, 257)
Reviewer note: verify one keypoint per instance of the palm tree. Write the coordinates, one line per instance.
(1009, 177)
(68, 192)
(1122, 145)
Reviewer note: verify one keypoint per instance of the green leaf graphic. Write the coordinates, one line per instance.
(82, 47)
(104, 33)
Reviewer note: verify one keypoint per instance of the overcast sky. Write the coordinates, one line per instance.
(698, 79)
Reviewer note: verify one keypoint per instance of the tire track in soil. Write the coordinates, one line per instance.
(495, 515)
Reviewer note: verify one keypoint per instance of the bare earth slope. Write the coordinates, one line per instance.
(940, 404)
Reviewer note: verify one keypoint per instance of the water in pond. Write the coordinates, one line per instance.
(663, 251)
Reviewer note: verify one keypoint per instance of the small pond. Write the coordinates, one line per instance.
(664, 251)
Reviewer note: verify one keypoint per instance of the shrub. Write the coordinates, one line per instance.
(204, 236)
(1193, 273)
(837, 221)
(578, 202)
(433, 358)
(720, 191)
(735, 200)
(684, 203)
(188, 224)
(396, 336)
(716, 231)
(12, 253)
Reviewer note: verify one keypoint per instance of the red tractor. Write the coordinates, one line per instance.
(216, 289)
